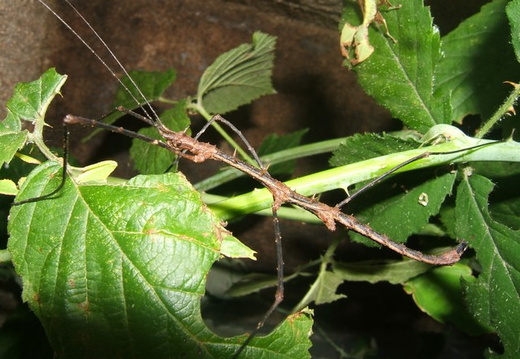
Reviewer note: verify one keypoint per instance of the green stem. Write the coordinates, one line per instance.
(278, 157)
(291, 213)
(167, 100)
(501, 112)
(345, 176)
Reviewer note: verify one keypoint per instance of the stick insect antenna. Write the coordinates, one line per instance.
(103, 62)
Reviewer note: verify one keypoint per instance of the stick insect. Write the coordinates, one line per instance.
(194, 150)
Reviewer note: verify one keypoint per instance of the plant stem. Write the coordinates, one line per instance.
(504, 109)
(345, 176)
(291, 213)
(278, 157)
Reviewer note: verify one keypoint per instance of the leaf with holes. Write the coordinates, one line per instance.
(28, 103)
(392, 202)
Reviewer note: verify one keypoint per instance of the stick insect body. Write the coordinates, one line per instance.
(194, 150)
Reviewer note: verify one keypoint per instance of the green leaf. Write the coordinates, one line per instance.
(29, 102)
(238, 76)
(361, 147)
(119, 270)
(403, 214)
(392, 271)
(438, 292)
(98, 172)
(513, 14)
(507, 210)
(323, 290)
(10, 143)
(8, 187)
(504, 205)
(494, 298)
(400, 75)
(251, 283)
(152, 85)
(150, 159)
(275, 143)
(478, 58)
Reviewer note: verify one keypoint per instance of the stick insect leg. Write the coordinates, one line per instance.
(235, 130)
(382, 177)
(197, 136)
(279, 294)
(70, 120)
(401, 165)
(240, 135)
(63, 174)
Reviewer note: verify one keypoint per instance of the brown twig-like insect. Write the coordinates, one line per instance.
(194, 150)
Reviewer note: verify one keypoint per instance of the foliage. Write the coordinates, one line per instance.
(101, 257)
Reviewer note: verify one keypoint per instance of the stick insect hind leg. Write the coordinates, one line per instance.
(279, 293)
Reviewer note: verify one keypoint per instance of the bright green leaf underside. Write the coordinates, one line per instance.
(392, 271)
(438, 292)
